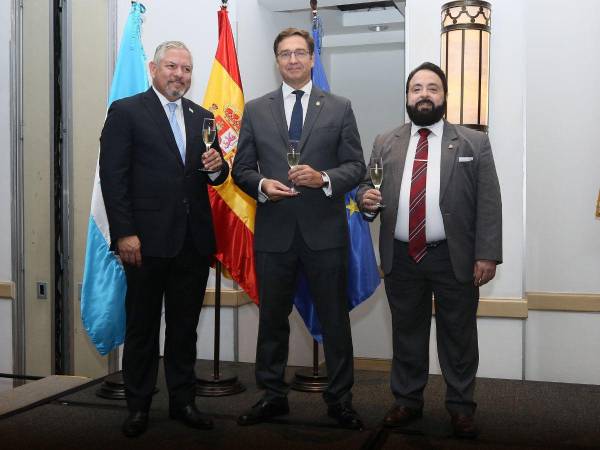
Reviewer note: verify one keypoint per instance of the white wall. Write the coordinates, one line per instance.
(542, 90)
(6, 360)
(563, 161)
(563, 347)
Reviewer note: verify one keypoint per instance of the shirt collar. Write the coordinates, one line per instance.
(164, 100)
(437, 128)
(287, 89)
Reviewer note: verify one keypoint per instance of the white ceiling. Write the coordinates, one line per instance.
(344, 28)
(294, 5)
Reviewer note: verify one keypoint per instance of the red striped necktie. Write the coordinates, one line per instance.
(417, 240)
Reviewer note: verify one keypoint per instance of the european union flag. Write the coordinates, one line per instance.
(104, 282)
(363, 274)
(318, 72)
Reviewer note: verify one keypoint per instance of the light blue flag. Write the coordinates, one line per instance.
(363, 274)
(104, 283)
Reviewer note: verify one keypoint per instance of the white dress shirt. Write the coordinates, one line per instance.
(289, 99)
(434, 225)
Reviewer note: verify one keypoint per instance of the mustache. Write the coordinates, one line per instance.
(424, 102)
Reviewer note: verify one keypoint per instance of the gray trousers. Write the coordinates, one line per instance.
(409, 287)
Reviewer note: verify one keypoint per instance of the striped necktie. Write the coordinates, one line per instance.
(417, 240)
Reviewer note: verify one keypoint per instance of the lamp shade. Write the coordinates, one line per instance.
(465, 58)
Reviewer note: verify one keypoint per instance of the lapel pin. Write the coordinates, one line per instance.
(191, 110)
(318, 103)
(450, 147)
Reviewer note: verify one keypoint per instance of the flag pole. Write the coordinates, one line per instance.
(221, 382)
(311, 380)
(125, 83)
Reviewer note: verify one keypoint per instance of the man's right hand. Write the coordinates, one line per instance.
(130, 250)
(370, 201)
(276, 190)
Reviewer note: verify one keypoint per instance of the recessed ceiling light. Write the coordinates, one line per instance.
(378, 27)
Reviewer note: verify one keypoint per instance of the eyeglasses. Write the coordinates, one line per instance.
(286, 54)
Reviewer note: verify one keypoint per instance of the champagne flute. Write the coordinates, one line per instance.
(209, 132)
(293, 158)
(376, 173)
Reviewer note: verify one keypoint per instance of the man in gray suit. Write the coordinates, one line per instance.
(441, 233)
(304, 228)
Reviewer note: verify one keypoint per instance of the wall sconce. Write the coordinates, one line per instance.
(465, 59)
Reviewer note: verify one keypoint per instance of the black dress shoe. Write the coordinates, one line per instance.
(464, 426)
(346, 416)
(262, 411)
(135, 424)
(190, 416)
(399, 416)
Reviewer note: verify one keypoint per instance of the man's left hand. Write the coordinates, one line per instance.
(304, 175)
(483, 271)
(212, 160)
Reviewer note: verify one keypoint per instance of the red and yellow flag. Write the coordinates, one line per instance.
(233, 211)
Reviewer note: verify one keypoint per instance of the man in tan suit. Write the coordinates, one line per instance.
(441, 234)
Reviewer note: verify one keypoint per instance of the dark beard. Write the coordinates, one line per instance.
(426, 118)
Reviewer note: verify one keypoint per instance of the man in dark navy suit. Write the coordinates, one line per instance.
(160, 223)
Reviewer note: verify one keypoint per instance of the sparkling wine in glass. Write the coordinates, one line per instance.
(376, 173)
(209, 133)
(293, 157)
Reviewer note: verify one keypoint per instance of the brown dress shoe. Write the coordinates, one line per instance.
(464, 426)
(399, 416)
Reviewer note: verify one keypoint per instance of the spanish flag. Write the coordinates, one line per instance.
(233, 211)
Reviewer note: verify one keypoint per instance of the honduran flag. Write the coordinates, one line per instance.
(104, 283)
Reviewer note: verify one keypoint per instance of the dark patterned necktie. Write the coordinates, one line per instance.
(417, 240)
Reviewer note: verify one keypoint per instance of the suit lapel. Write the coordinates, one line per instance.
(278, 113)
(448, 157)
(189, 113)
(315, 104)
(157, 113)
(397, 159)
